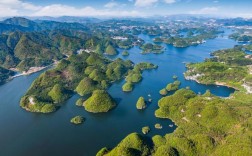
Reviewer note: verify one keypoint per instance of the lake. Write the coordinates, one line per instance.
(23, 133)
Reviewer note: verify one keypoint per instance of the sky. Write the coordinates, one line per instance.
(125, 8)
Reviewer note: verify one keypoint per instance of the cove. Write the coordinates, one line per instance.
(23, 133)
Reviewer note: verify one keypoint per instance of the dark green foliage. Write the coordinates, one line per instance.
(134, 144)
(172, 87)
(110, 50)
(228, 67)
(135, 75)
(48, 108)
(82, 73)
(125, 53)
(5, 74)
(58, 94)
(99, 102)
(152, 48)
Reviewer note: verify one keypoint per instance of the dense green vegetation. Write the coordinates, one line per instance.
(127, 87)
(151, 48)
(82, 73)
(125, 53)
(141, 103)
(99, 102)
(135, 75)
(77, 120)
(110, 50)
(133, 144)
(241, 37)
(228, 67)
(193, 37)
(208, 125)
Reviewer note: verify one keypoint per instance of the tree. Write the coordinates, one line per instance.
(58, 93)
(99, 49)
(110, 50)
(100, 101)
(141, 103)
(86, 86)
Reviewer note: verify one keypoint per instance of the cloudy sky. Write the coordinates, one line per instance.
(120, 8)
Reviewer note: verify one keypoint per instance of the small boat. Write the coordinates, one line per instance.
(149, 95)
(150, 100)
(170, 125)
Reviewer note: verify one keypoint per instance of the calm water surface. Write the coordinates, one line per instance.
(23, 133)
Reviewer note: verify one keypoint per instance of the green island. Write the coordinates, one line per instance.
(158, 126)
(81, 73)
(146, 130)
(193, 37)
(125, 53)
(135, 75)
(230, 67)
(221, 128)
(207, 124)
(99, 102)
(151, 48)
(80, 102)
(141, 104)
(173, 86)
(77, 120)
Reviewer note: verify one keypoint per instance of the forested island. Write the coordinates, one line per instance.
(230, 67)
(152, 48)
(82, 73)
(207, 124)
(90, 59)
(193, 37)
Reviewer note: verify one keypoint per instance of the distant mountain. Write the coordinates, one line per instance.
(23, 22)
(26, 25)
(10, 28)
(236, 22)
(67, 19)
(26, 49)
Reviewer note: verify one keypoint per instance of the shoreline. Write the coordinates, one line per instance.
(189, 78)
(31, 70)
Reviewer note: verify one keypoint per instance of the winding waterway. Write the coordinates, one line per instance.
(23, 133)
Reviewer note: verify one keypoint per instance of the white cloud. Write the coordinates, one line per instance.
(145, 3)
(111, 5)
(169, 1)
(20, 8)
(16, 7)
(62, 10)
(206, 10)
(216, 1)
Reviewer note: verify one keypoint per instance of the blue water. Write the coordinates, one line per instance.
(23, 133)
